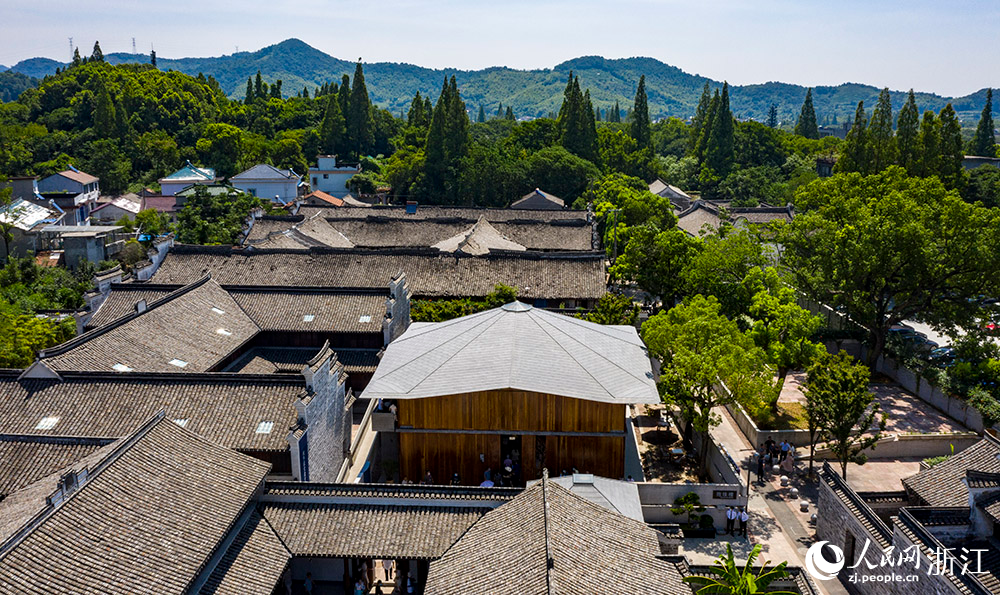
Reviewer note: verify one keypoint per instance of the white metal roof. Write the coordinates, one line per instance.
(517, 347)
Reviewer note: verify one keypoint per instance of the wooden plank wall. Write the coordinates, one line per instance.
(445, 454)
(511, 410)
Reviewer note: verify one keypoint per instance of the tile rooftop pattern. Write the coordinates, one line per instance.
(553, 276)
(181, 327)
(548, 540)
(27, 459)
(517, 347)
(147, 522)
(279, 309)
(481, 238)
(226, 409)
(944, 483)
(252, 565)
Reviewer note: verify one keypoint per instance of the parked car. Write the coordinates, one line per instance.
(942, 356)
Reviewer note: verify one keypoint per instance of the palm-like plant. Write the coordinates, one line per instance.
(730, 579)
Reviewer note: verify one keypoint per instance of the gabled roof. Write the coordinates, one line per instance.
(191, 173)
(161, 204)
(537, 199)
(680, 199)
(429, 273)
(613, 494)
(146, 518)
(944, 484)
(28, 458)
(314, 231)
(521, 348)
(191, 329)
(77, 176)
(253, 564)
(548, 540)
(323, 196)
(123, 203)
(477, 240)
(263, 171)
(702, 213)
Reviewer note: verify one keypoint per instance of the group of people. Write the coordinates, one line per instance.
(396, 583)
(734, 515)
(772, 453)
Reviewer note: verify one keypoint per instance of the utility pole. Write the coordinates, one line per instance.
(133, 46)
(70, 49)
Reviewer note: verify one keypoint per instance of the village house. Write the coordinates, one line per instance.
(268, 182)
(707, 216)
(679, 199)
(186, 176)
(74, 191)
(28, 219)
(536, 199)
(330, 177)
(127, 205)
(514, 383)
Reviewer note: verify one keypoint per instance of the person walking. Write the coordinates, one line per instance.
(744, 520)
(785, 447)
(308, 583)
(387, 566)
(730, 520)
(761, 469)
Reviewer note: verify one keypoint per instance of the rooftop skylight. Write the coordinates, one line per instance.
(178, 362)
(365, 318)
(265, 427)
(182, 422)
(223, 332)
(47, 423)
(309, 318)
(121, 368)
(218, 310)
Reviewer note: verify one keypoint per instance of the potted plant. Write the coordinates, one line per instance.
(690, 504)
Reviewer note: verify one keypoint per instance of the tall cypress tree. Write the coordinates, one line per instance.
(332, 128)
(950, 164)
(617, 119)
(343, 94)
(640, 116)
(248, 98)
(98, 55)
(258, 86)
(929, 145)
(706, 127)
(984, 144)
(104, 112)
(882, 143)
(807, 126)
(772, 116)
(435, 161)
(416, 117)
(152, 57)
(573, 120)
(907, 135)
(701, 115)
(482, 114)
(360, 125)
(499, 113)
(854, 154)
(457, 130)
(447, 143)
(720, 151)
(589, 129)
(509, 114)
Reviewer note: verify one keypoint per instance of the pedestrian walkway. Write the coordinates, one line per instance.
(773, 523)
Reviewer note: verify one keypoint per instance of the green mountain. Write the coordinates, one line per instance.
(671, 91)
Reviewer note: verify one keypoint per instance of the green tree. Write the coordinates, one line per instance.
(360, 126)
(700, 119)
(210, 218)
(654, 260)
(699, 348)
(560, 172)
(837, 395)
(950, 168)
(807, 126)
(929, 145)
(579, 133)
(984, 143)
(719, 152)
(888, 248)
(482, 114)
(640, 116)
(332, 129)
(730, 579)
(509, 114)
(613, 308)
(22, 335)
(152, 222)
(854, 155)
(97, 55)
(104, 112)
(881, 141)
(418, 116)
(723, 265)
(490, 177)
(258, 86)
(8, 216)
(220, 147)
(983, 186)
(908, 135)
(772, 116)
(152, 57)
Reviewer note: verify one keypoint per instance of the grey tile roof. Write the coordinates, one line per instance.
(263, 171)
(553, 276)
(990, 504)
(701, 213)
(147, 519)
(470, 214)
(122, 299)
(331, 310)
(548, 540)
(517, 347)
(225, 408)
(944, 483)
(538, 199)
(369, 530)
(252, 565)
(613, 494)
(194, 327)
(404, 493)
(314, 231)
(27, 458)
(287, 360)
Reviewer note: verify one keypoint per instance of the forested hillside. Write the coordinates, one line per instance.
(535, 93)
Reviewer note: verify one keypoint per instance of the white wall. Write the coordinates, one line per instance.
(285, 190)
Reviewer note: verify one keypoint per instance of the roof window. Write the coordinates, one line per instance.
(178, 362)
(223, 332)
(265, 427)
(218, 310)
(182, 422)
(365, 318)
(309, 318)
(121, 368)
(47, 423)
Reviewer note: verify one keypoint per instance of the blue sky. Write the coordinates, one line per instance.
(943, 47)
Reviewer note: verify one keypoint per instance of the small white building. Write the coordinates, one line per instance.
(184, 177)
(74, 191)
(330, 178)
(266, 181)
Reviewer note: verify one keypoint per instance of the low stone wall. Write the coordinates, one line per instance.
(953, 407)
(758, 436)
(914, 445)
(657, 499)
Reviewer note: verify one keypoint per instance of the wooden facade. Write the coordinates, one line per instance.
(446, 435)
